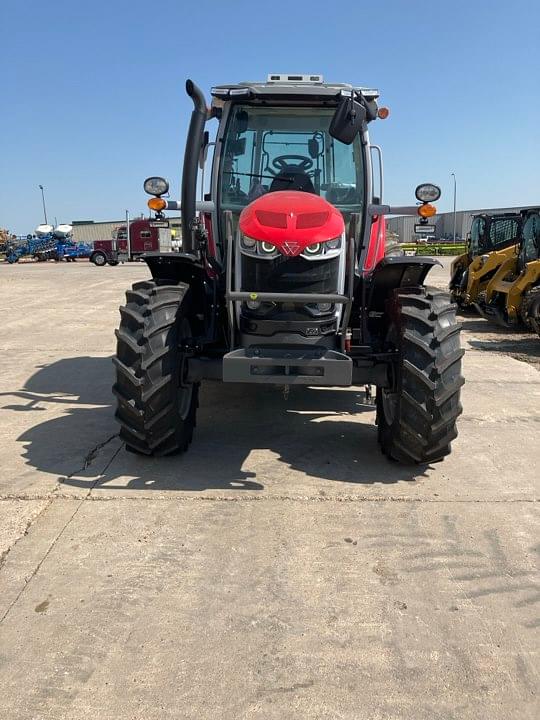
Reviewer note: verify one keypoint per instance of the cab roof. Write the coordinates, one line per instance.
(290, 87)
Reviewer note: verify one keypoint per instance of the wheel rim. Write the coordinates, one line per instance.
(99, 260)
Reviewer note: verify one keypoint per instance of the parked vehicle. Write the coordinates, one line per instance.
(492, 240)
(145, 235)
(513, 294)
(283, 279)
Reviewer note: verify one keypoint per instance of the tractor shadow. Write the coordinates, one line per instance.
(246, 436)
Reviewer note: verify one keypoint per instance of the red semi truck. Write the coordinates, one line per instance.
(144, 236)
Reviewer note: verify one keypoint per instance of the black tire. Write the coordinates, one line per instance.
(530, 309)
(156, 410)
(113, 263)
(99, 259)
(417, 417)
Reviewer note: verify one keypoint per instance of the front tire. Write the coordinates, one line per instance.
(417, 416)
(99, 259)
(530, 309)
(156, 404)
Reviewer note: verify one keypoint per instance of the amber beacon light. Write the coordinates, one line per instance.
(157, 204)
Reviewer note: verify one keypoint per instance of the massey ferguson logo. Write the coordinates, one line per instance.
(291, 248)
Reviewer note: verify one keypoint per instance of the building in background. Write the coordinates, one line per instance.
(403, 225)
(88, 231)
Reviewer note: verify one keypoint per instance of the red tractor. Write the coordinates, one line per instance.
(282, 278)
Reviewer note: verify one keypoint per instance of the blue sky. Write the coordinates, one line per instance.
(93, 99)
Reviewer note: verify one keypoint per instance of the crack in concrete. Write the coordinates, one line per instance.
(89, 457)
(54, 495)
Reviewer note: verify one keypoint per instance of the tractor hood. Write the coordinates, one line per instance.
(291, 220)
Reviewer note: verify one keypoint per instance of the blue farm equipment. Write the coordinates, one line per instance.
(47, 247)
(39, 247)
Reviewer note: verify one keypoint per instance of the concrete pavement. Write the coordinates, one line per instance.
(281, 569)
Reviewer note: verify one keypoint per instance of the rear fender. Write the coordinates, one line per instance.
(396, 272)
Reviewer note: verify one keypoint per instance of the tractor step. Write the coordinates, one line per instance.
(288, 366)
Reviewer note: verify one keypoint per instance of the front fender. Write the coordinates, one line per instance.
(395, 272)
(174, 268)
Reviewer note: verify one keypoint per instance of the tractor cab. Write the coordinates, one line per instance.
(274, 149)
(284, 136)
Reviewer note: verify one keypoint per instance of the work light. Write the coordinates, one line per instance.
(156, 186)
(427, 192)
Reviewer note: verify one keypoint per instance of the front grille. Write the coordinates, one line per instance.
(290, 275)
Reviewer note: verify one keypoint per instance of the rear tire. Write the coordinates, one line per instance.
(156, 405)
(417, 417)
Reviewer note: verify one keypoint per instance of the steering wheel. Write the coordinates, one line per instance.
(282, 162)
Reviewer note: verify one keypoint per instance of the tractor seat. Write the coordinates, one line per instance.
(292, 178)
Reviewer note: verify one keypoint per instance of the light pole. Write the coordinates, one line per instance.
(454, 176)
(43, 200)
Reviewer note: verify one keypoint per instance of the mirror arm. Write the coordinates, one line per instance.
(204, 206)
(392, 210)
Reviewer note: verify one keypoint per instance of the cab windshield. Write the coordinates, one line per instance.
(268, 149)
(478, 229)
(530, 249)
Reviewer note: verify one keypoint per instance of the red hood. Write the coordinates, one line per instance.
(291, 220)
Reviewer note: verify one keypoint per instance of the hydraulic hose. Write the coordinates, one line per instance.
(191, 165)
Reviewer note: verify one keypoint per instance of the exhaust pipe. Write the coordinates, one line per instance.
(191, 165)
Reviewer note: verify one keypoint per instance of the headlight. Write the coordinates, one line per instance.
(156, 186)
(313, 249)
(268, 247)
(333, 244)
(248, 242)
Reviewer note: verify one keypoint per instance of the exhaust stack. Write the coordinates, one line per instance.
(191, 164)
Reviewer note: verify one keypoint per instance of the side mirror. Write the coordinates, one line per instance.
(313, 148)
(348, 120)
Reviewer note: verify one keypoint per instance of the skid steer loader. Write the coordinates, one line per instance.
(513, 293)
(492, 240)
(282, 277)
